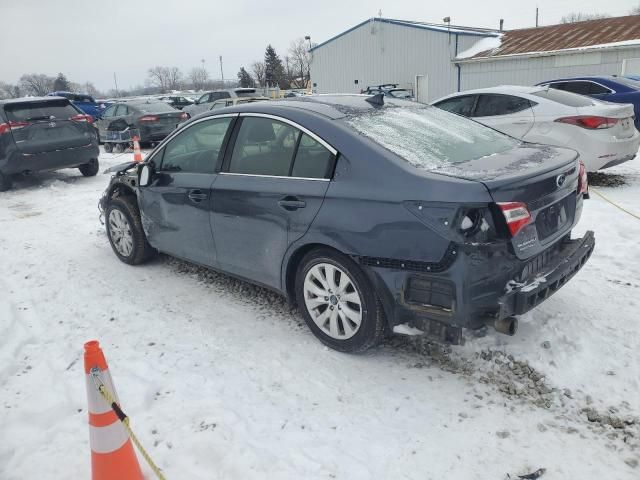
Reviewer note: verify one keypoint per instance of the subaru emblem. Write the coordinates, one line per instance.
(560, 179)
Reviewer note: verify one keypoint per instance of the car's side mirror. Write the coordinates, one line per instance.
(145, 175)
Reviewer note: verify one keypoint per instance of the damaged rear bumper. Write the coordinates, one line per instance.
(522, 297)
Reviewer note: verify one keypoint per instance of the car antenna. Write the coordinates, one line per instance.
(377, 100)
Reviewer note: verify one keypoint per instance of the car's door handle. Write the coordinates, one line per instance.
(291, 203)
(522, 122)
(197, 196)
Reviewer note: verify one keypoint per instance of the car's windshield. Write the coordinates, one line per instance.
(428, 137)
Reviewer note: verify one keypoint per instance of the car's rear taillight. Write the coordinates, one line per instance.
(7, 127)
(583, 182)
(184, 116)
(149, 118)
(516, 214)
(590, 122)
(81, 117)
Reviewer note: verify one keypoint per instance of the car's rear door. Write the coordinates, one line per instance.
(175, 207)
(510, 114)
(273, 183)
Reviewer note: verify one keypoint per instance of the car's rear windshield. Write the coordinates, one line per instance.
(40, 110)
(153, 107)
(249, 92)
(628, 82)
(428, 137)
(565, 98)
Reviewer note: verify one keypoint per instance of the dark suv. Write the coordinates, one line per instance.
(45, 133)
(368, 212)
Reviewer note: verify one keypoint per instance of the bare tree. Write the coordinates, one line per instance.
(174, 78)
(36, 84)
(159, 76)
(300, 58)
(258, 69)
(635, 10)
(199, 77)
(583, 17)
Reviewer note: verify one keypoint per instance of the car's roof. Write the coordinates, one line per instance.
(332, 106)
(31, 99)
(506, 89)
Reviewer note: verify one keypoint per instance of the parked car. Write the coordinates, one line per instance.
(611, 88)
(206, 99)
(603, 133)
(366, 215)
(388, 89)
(229, 102)
(84, 102)
(177, 102)
(45, 133)
(153, 118)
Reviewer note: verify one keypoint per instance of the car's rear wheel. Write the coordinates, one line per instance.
(118, 148)
(90, 169)
(125, 232)
(108, 147)
(338, 302)
(5, 182)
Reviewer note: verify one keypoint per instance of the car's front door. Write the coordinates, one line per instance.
(175, 207)
(272, 186)
(510, 114)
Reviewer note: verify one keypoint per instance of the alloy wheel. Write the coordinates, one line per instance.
(120, 232)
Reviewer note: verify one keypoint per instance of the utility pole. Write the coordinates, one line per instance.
(221, 71)
(115, 81)
(536, 17)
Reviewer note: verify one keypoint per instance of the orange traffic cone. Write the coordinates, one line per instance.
(112, 454)
(137, 154)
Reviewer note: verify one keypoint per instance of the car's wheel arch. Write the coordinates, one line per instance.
(297, 252)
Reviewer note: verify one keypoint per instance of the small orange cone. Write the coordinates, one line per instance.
(112, 454)
(137, 154)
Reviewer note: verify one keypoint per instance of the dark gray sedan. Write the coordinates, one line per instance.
(371, 214)
(154, 119)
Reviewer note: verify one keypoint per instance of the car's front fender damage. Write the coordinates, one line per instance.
(472, 286)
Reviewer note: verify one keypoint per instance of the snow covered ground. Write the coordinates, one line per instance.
(223, 381)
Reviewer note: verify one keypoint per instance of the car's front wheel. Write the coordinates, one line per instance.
(5, 182)
(338, 302)
(125, 232)
(90, 169)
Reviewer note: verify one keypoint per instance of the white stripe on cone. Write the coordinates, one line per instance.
(107, 439)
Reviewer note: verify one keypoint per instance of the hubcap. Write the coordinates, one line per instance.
(120, 233)
(333, 301)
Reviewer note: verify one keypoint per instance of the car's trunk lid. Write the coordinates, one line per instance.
(47, 126)
(544, 178)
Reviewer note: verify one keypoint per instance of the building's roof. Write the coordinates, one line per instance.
(436, 27)
(564, 38)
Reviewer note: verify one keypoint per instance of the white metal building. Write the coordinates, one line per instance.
(435, 60)
(382, 50)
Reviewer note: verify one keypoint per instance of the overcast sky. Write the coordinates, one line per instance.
(90, 40)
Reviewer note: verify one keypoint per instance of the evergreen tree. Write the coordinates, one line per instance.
(61, 84)
(273, 69)
(245, 79)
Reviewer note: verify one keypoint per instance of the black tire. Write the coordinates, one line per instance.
(141, 251)
(372, 326)
(90, 169)
(108, 147)
(5, 182)
(118, 148)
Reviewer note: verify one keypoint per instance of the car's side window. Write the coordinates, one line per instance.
(109, 111)
(597, 89)
(264, 147)
(491, 105)
(313, 160)
(460, 105)
(579, 87)
(120, 111)
(196, 149)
